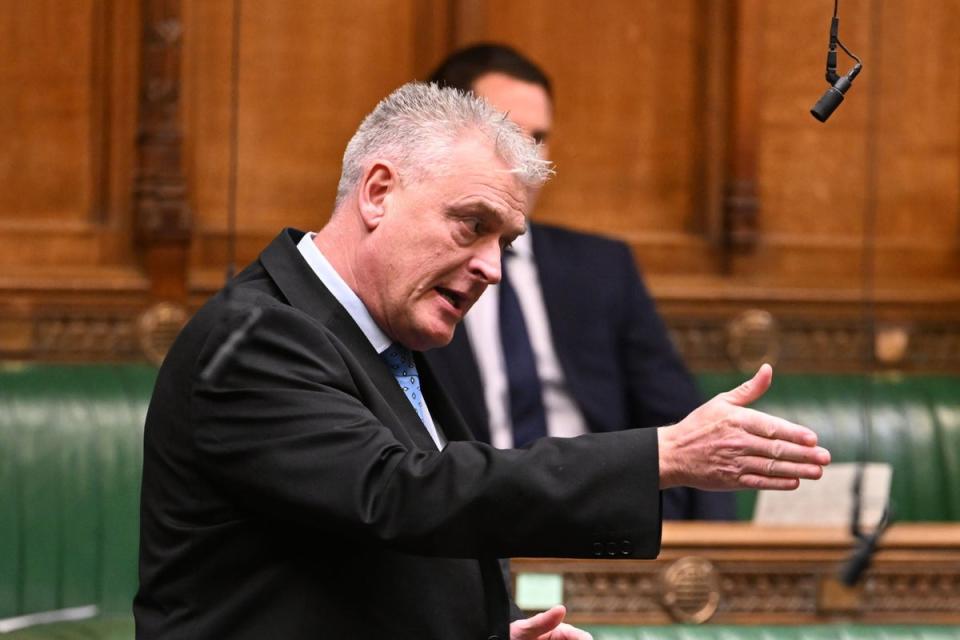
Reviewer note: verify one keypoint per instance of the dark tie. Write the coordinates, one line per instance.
(523, 384)
(404, 369)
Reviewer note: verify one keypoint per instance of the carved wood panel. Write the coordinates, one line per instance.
(67, 74)
(742, 574)
(681, 127)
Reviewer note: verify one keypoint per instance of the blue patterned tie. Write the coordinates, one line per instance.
(523, 382)
(400, 361)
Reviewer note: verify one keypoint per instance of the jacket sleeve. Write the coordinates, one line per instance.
(295, 431)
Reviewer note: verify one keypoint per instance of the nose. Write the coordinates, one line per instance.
(485, 263)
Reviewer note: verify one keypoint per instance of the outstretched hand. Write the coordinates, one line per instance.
(725, 445)
(548, 625)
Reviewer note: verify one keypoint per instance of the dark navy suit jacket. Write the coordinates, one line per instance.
(617, 358)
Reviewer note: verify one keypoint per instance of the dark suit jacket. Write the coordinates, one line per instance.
(616, 355)
(299, 496)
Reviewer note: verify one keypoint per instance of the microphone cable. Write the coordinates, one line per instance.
(213, 370)
(859, 560)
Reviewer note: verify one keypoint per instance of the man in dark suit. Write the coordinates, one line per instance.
(603, 358)
(321, 485)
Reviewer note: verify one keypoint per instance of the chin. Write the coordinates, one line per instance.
(430, 338)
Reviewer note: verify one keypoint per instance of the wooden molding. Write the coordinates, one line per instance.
(739, 573)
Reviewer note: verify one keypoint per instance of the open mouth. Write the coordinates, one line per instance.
(455, 299)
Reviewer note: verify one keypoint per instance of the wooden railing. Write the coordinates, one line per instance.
(738, 573)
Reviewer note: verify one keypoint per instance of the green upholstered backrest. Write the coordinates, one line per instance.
(70, 459)
(915, 427)
(767, 632)
(123, 630)
(70, 456)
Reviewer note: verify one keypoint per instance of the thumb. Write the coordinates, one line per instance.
(751, 390)
(536, 626)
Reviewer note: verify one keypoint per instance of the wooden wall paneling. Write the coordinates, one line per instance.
(759, 169)
(626, 78)
(815, 179)
(434, 34)
(46, 61)
(918, 141)
(69, 281)
(812, 175)
(68, 74)
(309, 72)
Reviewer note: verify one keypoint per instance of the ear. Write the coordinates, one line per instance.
(378, 182)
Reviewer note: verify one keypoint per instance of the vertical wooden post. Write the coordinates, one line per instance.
(160, 195)
(741, 202)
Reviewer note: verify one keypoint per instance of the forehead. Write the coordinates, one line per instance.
(526, 103)
(478, 177)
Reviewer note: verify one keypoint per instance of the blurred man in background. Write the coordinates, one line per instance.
(570, 342)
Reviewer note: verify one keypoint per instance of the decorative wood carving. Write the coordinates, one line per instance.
(157, 328)
(70, 335)
(839, 343)
(162, 215)
(736, 573)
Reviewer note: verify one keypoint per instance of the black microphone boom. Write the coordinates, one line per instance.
(223, 355)
(859, 561)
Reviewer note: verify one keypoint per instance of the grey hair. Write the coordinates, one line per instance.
(417, 125)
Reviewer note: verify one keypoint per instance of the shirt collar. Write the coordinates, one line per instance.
(343, 293)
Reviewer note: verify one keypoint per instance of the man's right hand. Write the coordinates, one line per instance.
(725, 445)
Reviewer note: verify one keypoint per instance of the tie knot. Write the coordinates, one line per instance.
(400, 360)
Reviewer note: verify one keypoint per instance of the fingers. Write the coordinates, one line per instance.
(534, 627)
(751, 390)
(567, 632)
(773, 428)
(768, 467)
(776, 449)
(751, 481)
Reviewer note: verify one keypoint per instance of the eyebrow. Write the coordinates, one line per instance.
(473, 208)
(484, 210)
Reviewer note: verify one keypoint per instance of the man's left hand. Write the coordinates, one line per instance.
(548, 625)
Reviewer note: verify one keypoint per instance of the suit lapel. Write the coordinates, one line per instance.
(455, 368)
(442, 409)
(304, 291)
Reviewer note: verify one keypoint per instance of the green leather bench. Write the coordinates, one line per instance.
(802, 632)
(70, 463)
(70, 455)
(915, 427)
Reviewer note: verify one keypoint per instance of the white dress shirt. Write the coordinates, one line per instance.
(564, 418)
(358, 311)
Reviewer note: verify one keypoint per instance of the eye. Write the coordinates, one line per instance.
(468, 229)
(473, 225)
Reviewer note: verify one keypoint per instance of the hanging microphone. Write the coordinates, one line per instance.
(830, 100)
